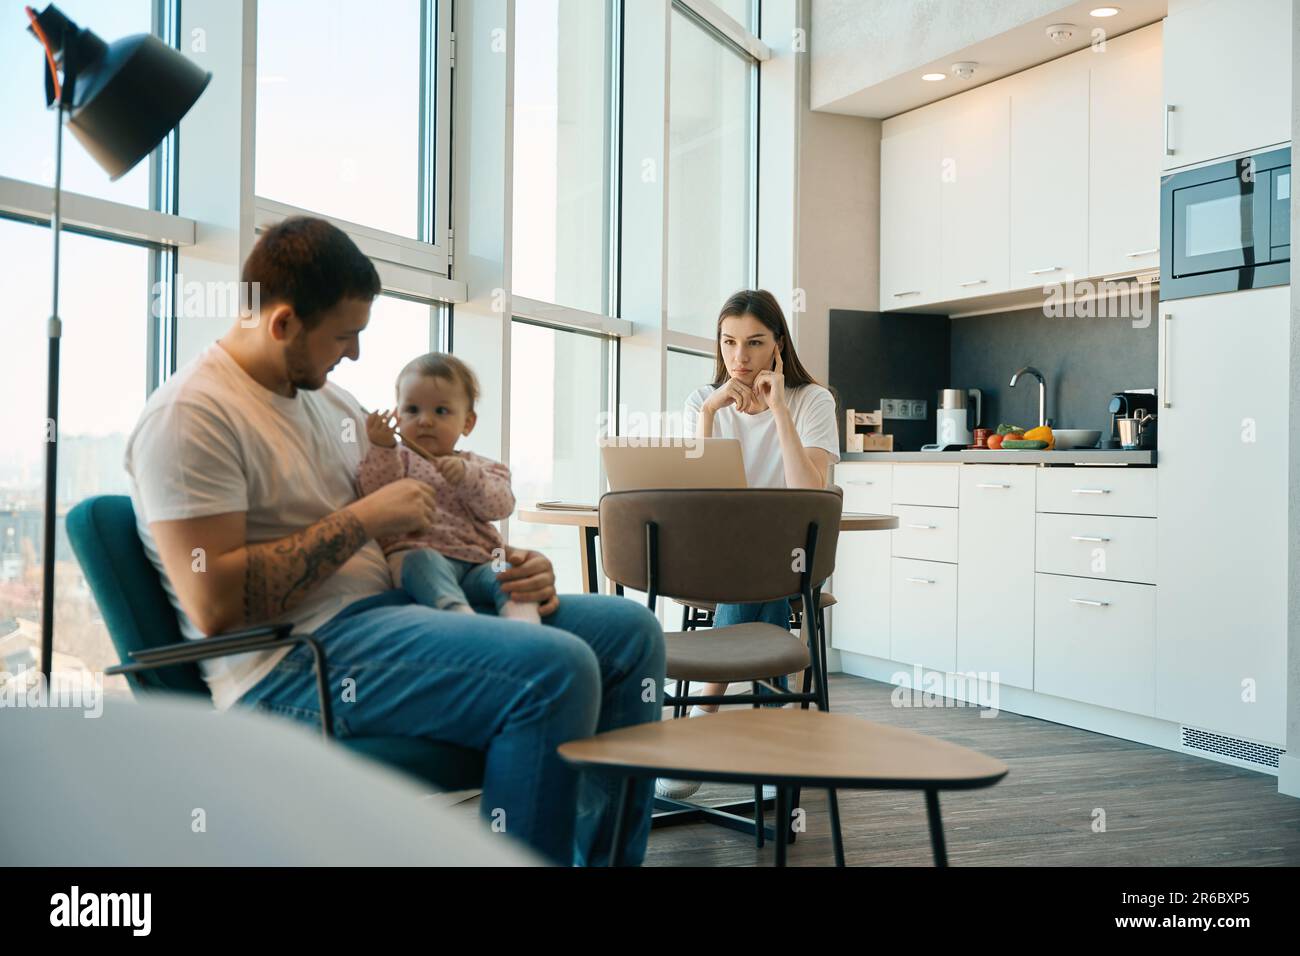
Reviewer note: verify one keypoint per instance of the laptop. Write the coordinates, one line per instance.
(705, 463)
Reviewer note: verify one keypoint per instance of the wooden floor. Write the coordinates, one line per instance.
(1161, 808)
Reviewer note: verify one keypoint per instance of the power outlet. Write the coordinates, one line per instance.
(908, 409)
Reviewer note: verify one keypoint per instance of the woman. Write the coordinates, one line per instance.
(786, 423)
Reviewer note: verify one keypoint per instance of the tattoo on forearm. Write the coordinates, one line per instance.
(281, 573)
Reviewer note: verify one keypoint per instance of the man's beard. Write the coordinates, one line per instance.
(298, 366)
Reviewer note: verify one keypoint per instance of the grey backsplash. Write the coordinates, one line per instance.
(877, 355)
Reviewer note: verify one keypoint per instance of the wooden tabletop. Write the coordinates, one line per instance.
(589, 518)
(773, 745)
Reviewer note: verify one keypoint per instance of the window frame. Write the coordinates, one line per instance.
(433, 251)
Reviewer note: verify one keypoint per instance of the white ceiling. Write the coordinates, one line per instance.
(868, 55)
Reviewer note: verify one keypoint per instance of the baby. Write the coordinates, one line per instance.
(449, 567)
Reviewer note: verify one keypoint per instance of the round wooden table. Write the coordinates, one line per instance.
(587, 521)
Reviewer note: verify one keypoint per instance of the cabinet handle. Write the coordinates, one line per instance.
(1087, 603)
(971, 282)
(991, 484)
(1169, 149)
(1086, 537)
(1038, 272)
(1164, 361)
(1142, 252)
(899, 295)
(1090, 491)
(920, 580)
(859, 481)
(922, 527)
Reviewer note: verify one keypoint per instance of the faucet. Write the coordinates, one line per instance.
(1042, 390)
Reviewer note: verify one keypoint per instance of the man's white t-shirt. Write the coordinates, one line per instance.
(210, 441)
(812, 408)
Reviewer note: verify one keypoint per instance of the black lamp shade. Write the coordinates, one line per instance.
(126, 100)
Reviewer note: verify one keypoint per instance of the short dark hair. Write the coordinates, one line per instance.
(311, 265)
(445, 366)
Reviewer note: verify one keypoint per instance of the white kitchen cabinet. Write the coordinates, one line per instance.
(1125, 144)
(1049, 175)
(918, 484)
(910, 170)
(995, 582)
(1227, 78)
(1094, 641)
(1222, 536)
(1095, 546)
(928, 534)
(974, 186)
(923, 614)
(1099, 491)
(860, 621)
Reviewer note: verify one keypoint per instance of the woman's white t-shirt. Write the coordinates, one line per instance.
(812, 408)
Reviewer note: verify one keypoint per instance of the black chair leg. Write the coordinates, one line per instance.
(782, 828)
(620, 818)
(936, 827)
(837, 841)
(759, 829)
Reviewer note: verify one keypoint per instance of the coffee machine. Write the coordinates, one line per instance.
(1141, 404)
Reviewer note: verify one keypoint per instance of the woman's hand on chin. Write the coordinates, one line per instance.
(735, 392)
(769, 386)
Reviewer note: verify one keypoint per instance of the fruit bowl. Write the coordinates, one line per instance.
(1076, 437)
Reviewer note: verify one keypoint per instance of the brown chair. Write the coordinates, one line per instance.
(750, 545)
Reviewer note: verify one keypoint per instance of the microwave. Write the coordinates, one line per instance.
(1226, 226)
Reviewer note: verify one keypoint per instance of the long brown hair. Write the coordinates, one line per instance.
(763, 306)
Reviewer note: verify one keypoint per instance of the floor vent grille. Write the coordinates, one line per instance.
(1233, 748)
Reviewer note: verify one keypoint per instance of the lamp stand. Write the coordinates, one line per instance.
(54, 329)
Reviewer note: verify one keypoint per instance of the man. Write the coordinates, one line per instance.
(242, 472)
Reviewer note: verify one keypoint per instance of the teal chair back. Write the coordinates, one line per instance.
(139, 615)
(129, 591)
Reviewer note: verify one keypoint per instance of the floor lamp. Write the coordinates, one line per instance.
(119, 99)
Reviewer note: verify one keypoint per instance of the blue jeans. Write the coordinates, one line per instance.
(769, 612)
(435, 580)
(513, 689)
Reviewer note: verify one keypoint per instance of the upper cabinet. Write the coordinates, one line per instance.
(974, 183)
(909, 216)
(1050, 175)
(1125, 144)
(1227, 73)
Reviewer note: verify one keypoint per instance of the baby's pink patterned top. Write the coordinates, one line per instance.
(463, 529)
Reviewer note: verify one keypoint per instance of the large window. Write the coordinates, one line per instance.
(339, 121)
(711, 185)
(27, 127)
(105, 309)
(687, 372)
(399, 330)
(559, 397)
(562, 153)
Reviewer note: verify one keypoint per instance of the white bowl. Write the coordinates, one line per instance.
(1075, 437)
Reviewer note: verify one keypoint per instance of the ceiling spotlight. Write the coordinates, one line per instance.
(964, 70)
(1060, 33)
(1103, 12)
(934, 77)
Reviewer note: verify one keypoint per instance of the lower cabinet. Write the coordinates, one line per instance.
(995, 586)
(859, 622)
(860, 618)
(923, 613)
(1095, 642)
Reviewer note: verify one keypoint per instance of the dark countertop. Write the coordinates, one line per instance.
(1008, 456)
